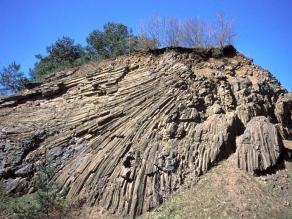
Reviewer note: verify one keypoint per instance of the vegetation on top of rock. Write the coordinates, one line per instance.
(189, 33)
(117, 39)
(62, 54)
(11, 79)
(113, 41)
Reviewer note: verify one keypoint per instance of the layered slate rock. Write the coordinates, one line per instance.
(259, 147)
(125, 133)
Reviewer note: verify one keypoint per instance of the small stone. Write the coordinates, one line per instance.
(88, 136)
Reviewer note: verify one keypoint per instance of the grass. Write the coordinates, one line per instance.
(20, 207)
(27, 206)
(225, 192)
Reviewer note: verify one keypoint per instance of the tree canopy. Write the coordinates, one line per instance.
(190, 33)
(63, 53)
(114, 40)
(11, 79)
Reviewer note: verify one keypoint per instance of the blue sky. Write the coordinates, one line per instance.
(264, 27)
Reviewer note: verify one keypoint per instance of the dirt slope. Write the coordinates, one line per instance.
(227, 192)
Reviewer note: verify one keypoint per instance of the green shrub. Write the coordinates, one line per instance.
(62, 54)
(48, 195)
(47, 199)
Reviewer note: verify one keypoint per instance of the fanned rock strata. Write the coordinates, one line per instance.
(125, 133)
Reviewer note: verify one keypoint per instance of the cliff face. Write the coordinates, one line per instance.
(127, 132)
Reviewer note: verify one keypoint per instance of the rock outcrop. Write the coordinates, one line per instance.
(283, 111)
(259, 147)
(126, 133)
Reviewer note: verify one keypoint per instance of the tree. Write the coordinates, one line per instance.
(61, 54)
(152, 31)
(191, 33)
(173, 31)
(224, 33)
(11, 79)
(113, 41)
(145, 44)
(64, 49)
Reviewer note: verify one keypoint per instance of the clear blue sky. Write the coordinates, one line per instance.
(264, 27)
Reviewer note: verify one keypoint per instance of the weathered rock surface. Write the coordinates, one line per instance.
(259, 147)
(283, 111)
(125, 133)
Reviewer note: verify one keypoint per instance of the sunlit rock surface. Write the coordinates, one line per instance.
(127, 132)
